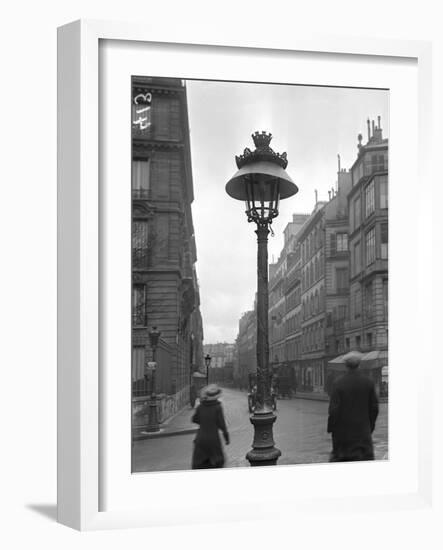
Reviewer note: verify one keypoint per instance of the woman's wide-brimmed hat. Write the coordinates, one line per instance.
(211, 392)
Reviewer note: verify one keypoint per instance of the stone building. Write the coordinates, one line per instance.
(367, 328)
(313, 288)
(282, 294)
(246, 348)
(164, 282)
(222, 362)
(336, 228)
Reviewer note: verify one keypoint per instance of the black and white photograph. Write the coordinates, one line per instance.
(259, 274)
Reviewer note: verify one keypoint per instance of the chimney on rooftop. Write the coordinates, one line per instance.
(368, 122)
(378, 136)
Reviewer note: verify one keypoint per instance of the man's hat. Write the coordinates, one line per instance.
(353, 358)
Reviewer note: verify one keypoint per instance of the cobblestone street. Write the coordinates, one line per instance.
(299, 432)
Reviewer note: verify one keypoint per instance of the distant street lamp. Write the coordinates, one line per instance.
(261, 181)
(208, 360)
(153, 425)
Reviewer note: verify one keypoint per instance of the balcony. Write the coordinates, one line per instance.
(141, 194)
(291, 279)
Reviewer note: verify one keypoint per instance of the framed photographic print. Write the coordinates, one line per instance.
(224, 217)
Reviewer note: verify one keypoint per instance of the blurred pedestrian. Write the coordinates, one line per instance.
(208, 452)
(192, 395)
(353, 410)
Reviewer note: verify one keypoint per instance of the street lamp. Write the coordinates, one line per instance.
(261, 181)
(208, 360)
(153, 425)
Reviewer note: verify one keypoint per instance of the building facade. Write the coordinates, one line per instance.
(164, 282)
(336, 228)
(311, 376)
(367, 327)
(221, 369)
(284, 295)
(246, 349)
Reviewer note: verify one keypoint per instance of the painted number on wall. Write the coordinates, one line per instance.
(141, 111)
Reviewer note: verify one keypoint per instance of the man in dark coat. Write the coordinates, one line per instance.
(353, 410)
(208, 452)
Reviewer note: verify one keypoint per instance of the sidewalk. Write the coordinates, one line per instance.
(178, 424)
(315, 396)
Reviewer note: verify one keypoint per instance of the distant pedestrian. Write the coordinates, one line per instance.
(353, 410)
(208, 452)
(192, 395)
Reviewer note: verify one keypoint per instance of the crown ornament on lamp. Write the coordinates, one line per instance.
(262, 152)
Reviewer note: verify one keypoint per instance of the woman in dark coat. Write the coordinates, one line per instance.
(208, 452)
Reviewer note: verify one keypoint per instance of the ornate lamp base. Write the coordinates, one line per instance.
(153, 425)
(263, 452)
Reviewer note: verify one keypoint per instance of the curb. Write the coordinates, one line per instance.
(140, 436)
(312, 397)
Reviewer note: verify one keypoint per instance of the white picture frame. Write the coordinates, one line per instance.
(80, 393)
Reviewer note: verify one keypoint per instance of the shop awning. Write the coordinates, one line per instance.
(371, 360)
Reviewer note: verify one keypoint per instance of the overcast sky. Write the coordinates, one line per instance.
(313, 125)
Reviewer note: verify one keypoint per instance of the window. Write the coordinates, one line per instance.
(357, 304)
(140, 243)
(342, 242)
(378, 163)
(384, 241)
(370, 246)
(370, 198)
(383, 186)
(139, 306)
(357, 258)
(369, 339)
(369, 301)
(138, 361)
(358, 341)
(348, 343)
(357, 212)
(341, 279)
(385, 298)
(141, 170)
(341, 312)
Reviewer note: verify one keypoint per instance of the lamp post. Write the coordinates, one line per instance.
(261, 181)
(153, 426)
(208, 360)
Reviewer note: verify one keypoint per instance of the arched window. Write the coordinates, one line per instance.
(316, 302)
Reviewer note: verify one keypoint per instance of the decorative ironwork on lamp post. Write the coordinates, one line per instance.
(153, 425)
(261, 181)
(208, 360)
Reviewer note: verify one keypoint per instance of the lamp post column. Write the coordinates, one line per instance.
(261, 181)
(153, 425)
(263, 452)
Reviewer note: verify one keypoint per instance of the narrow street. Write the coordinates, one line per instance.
(299, 432)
